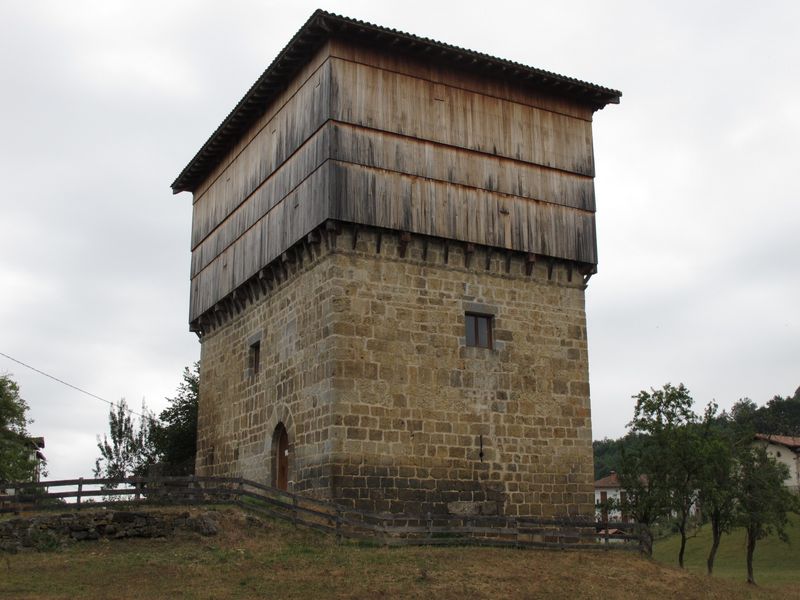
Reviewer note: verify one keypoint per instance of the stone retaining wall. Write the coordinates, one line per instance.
(48, 532)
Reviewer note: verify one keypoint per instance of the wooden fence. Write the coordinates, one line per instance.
(342, 521)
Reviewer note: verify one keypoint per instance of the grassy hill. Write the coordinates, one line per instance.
(265, 559)
(775, 563)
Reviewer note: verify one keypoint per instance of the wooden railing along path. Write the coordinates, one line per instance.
(342, 521)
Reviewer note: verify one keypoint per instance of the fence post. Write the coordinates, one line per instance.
(516, 535)
(338, 525)
(138, 486)
(239, 490)
(430, 525)
(80, 490)
(606, 534)
(294, 509)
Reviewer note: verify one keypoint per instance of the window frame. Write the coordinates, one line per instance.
(472, 330)
(254, 358)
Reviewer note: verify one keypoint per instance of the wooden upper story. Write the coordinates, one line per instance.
(361, 124)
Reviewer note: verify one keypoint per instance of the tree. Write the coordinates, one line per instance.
(175, 438)
(660, 475)
(684, 471)
(763, 501)
(645, 499)
(129, 451)
(608, 453)
(716, 483)
(17, 461)
(780, 416)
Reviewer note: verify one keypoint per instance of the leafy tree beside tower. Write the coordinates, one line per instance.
(17, 461)
(133, 447)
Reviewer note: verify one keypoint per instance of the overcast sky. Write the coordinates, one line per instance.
(103, 103)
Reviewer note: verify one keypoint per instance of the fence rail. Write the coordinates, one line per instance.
(342, 521)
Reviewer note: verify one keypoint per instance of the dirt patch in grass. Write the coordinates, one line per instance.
(253, 558)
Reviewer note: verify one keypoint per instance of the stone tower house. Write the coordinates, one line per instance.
(391, 240)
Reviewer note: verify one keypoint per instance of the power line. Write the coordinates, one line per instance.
(75, 387)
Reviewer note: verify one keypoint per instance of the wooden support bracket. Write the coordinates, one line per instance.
(550, 264)
(265, 280)
(488, 258)
(509, 256)
(530, 262)
(469, 250)
(287, 258)
(311, 240)
(424, 248)
(219, 314)
(237, 301)
(247, 292)
(355, 236)
(331, 231)
(378, 242)
(405, 238)
(587, 270)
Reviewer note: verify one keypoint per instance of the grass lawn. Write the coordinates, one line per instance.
(266, 559)
(775, 564)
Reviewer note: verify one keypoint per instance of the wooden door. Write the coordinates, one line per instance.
(282, 459)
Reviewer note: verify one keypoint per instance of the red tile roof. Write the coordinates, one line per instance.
(609, 481)
(783, 440)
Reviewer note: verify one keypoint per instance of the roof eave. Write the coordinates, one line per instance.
(320, 27)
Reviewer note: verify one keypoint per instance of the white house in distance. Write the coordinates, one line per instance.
(786, 450)
(605, 489)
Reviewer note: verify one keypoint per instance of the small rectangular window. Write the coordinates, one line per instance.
(255, 358)
(479, 330)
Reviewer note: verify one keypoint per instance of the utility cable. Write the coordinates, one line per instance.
(75, 387)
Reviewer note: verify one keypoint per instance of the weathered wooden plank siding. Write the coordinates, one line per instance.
(298, 119)
(396, 103)
(428, 70)
(375, 139)
(303, 209)
(430, 160)
(402, 202)
(306, 159)
(282, 98)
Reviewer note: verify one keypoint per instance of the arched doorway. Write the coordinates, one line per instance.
(280, 457)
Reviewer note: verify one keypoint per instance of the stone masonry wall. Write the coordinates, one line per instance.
(414, 406)
(239, 410)
(364, 359)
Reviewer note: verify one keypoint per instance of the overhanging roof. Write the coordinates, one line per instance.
(793, 443)
(322, 26)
